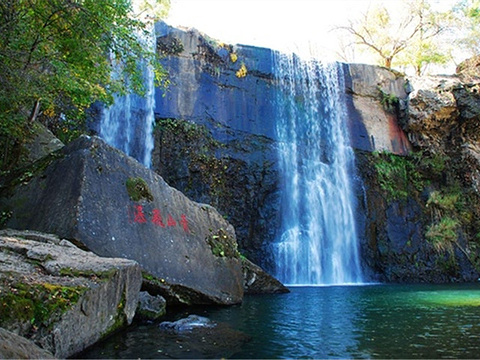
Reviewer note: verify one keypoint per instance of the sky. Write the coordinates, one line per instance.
(301, 26)
(284, 25)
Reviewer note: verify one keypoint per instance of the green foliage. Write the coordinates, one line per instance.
(431, 164)
(90, 274)
(421, 54)
(54, 58)
(169, 46)
(137, 189)
(467, 16)
(389, 101)
(195, 142)
(443, 235)
(222, 244)
(411, 31)
(443, 202)
(397, 175)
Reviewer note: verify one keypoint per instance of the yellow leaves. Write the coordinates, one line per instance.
(233, 57)
(49, 112)
(242, 72)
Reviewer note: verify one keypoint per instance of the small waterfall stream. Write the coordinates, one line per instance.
(317, 242)
(128, 123)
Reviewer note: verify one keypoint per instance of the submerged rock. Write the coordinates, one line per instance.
(200, 337)
(61, 297)
(187, 324)
(114, 206)
(150, 307)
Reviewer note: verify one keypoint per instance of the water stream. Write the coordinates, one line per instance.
(317, 241)
(128, 123)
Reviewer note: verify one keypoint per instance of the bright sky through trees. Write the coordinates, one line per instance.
(303, 26)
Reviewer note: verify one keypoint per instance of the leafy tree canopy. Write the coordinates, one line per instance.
(57, 56)
(408, 36)
(468, 23)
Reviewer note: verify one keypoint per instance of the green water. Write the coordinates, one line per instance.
(374, 321)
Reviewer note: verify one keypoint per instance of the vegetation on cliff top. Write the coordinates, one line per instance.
(415, 33)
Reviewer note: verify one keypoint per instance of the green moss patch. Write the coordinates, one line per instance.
(89, 274)
(37, 304)
(137, 189)
(222, 244)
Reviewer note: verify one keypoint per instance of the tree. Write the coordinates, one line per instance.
(467, 14)
(56, 58)
(413, 30)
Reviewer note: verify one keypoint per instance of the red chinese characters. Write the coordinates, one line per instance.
(157, 218)
(137, 215)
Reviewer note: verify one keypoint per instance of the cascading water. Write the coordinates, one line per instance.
(128, 123)
(317, 243)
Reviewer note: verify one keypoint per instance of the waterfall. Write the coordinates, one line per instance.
(317, 243)
(128, 123)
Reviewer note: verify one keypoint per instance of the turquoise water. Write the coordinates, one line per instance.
(372, 321)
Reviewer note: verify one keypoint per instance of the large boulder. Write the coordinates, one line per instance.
(42, 143)
(114, 206)
(61, 297)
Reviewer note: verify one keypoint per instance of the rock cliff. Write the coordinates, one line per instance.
(215, 132)
(421, 208)
(415, 143)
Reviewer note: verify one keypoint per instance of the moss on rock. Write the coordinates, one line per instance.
(35, 304)
(137, 189)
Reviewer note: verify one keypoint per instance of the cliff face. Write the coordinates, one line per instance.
(416, 148)
(215, 132)
(422, 208)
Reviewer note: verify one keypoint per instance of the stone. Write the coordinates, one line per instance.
(188, 324)
(217, 145)
(257, 281)
(13, 346)
(96, 196)
(200, 337)
(469, 69)
(42, 143)
(150, 307)
(69, 298)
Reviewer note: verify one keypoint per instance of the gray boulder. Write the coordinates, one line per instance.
(13, 346)
(257, 281)
(42, 143)
(61, 297)
(97, 196)
(150, 307)
(188, 324)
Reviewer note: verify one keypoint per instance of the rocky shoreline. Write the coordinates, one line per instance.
(64, 299)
